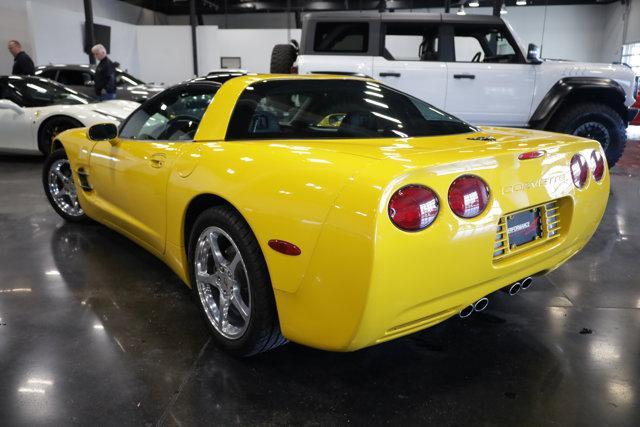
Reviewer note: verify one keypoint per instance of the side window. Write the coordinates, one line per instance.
(71, 78)
(468, 49)
(35, 94)
(407, 42)
(341, 37)
(173, 116)
(48, 74)
(484, 44)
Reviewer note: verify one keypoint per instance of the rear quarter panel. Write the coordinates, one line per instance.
(283, 190)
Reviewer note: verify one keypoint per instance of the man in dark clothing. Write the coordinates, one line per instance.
(105, 77)
(22, 63)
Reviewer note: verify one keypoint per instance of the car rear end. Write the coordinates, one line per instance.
(538, 214)
(434, 241)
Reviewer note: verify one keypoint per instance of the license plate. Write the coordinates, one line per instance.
(524, 227)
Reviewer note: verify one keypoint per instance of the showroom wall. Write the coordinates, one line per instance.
(15, 24)
(633, 29)
(57, 36)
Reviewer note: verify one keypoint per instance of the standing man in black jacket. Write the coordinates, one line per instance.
(105, 77)
(22, 63)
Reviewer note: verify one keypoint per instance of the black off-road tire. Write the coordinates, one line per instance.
(263, 331)
(51, 128)
(571, 118)
(282, 58)
(59, 155)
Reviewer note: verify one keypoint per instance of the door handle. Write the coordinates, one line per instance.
(157, 160)
(464, 76)
(389, 74)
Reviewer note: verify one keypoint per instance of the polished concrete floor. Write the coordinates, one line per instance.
(95, 330)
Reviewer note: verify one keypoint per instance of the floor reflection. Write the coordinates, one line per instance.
(94, 328)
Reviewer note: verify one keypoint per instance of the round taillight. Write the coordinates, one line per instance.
(579, 170)
(598, 165)
(413, 208)
(468, 196)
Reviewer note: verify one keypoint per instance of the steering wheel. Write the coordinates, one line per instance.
(182, 123)
(476, 57)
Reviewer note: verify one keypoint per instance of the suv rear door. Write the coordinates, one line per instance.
(411, 61)
(489, 81)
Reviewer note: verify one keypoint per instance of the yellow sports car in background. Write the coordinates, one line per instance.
(335, 212)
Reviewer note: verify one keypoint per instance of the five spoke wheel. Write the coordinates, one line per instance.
(222, 282)
(62, 189)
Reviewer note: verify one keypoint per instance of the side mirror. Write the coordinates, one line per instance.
(6, 104)
(533, 54)
(103, 132)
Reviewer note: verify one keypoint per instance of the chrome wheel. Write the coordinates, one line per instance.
(594, 130)
(222, 283)
(62, 189)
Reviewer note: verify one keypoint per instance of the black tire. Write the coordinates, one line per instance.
(282, 58)
(596, 121)
(56, 158)
(51, 128)
(262, 332)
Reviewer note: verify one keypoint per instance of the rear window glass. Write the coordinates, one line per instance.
(324, 109)
(341, 37)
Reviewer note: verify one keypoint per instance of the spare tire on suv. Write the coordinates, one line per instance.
(282, 58)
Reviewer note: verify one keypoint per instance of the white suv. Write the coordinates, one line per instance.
(470, 66)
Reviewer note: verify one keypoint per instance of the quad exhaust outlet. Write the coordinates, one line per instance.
(513, 288)
(483, 302)
(478, 306)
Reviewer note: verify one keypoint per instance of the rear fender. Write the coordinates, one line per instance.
(572, 89)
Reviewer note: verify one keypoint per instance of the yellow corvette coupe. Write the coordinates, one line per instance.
(331, 211)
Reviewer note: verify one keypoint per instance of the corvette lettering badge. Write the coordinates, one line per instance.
(554, 180)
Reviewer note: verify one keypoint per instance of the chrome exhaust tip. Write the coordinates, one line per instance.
(526, 283)
(466, 312)
(513, 288)
(481, 304)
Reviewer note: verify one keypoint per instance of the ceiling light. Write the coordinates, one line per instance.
(461, 10)
(476, 3)
(521, 2)
(503, 9)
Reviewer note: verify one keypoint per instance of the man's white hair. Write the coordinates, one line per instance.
(98, 48)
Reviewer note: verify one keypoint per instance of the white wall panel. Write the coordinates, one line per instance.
(14, 24)
(164, 53)
(208, 49)
(633, 26)
(58, 37)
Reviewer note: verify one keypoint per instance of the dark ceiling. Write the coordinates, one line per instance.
(181, 7)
